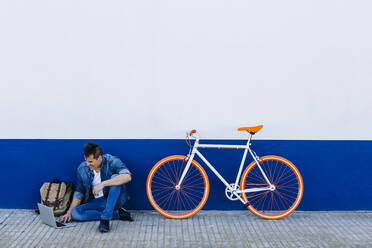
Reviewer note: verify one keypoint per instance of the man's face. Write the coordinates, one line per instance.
(93, 163)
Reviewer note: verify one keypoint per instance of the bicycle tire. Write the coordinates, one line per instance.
(288, 183)
(166, 199)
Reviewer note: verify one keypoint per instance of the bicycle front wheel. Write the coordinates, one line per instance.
(283, 199)
(175, 203)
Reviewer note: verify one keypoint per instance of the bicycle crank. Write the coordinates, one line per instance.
(230, 193)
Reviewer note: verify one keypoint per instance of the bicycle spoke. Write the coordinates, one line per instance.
(255, 184)
(163, 183)
(193, 189)
(161, 190)
(191, 198)
(257, 194)
(167, 175)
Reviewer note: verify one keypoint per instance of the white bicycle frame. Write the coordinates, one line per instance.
(234, 189)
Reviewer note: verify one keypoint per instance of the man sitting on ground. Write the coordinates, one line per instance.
(101, 187)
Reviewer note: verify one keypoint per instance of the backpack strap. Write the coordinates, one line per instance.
(47, 196)
(57, 202)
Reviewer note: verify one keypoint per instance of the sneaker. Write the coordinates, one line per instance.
(104, 225)
(124, 215)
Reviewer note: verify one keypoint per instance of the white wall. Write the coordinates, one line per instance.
(154, 69)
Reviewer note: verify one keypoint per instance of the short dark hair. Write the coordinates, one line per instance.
(91, 148)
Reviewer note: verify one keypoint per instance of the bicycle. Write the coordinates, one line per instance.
(271, 187)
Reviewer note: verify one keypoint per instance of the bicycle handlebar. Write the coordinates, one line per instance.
(190, 134)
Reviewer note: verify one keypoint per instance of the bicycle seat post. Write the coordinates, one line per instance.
(249, 139)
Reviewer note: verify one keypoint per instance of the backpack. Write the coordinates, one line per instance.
(56, 195)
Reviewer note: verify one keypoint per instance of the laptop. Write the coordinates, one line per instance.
(47, 217)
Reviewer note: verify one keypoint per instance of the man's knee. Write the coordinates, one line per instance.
(116, 190)
(76, 215)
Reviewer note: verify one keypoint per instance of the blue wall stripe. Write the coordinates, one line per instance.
(336, 174)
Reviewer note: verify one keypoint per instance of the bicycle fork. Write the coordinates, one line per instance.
(189, 158)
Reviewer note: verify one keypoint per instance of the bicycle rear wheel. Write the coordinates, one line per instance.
(277, 203)
(177, 203)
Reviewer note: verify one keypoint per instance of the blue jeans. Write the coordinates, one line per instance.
(100, 208)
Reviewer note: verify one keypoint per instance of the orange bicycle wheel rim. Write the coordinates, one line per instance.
(289, 188)
(162, 194)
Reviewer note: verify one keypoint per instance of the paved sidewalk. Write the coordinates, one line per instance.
(22, 228)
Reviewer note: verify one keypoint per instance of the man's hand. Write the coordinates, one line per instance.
(65, 218)
(98, 188)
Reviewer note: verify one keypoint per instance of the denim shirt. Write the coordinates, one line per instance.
(111, 167)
